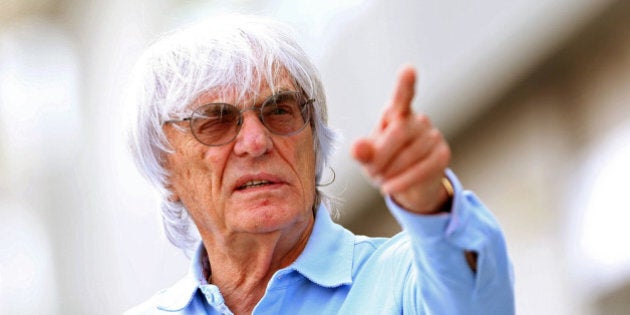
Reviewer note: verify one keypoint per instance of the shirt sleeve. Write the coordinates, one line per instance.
(443, 282)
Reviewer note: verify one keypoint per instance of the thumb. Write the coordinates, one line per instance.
(363, 150)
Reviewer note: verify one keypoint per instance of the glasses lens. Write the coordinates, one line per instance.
(215, 124)
(285, 113)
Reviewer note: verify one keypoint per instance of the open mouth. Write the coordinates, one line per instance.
(254, 183)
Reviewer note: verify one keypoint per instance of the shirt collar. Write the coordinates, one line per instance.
(181, 294)
(328, 244)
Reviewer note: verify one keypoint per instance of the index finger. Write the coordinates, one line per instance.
(404, 91)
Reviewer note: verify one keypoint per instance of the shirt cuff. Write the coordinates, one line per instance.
(429, 226)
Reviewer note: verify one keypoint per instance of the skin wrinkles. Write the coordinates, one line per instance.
(250, 233)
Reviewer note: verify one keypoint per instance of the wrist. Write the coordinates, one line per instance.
(441, 202)
(445, 198)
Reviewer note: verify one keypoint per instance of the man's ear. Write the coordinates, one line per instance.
(173, 197)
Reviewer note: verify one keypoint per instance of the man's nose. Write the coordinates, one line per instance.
(253, 138)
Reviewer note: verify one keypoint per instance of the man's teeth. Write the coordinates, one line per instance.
(255, 183)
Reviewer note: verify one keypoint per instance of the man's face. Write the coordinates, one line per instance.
(221, 185)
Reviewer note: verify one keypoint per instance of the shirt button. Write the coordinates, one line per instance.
(212, 295)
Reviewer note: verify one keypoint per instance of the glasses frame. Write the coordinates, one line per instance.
(259, 111)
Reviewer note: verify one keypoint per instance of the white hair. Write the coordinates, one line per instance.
(227, 54)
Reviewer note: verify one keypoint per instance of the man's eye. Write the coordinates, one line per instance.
(279, 109)
(215, 119)
(211, 124)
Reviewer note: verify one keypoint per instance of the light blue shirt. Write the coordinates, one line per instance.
(421, 270)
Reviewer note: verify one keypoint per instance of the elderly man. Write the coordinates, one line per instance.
(231, 128)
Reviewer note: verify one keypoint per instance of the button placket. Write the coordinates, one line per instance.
(215, 299)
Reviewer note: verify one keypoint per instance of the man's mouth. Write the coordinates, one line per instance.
(254, 183)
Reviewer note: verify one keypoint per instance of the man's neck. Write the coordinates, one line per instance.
(242, 264)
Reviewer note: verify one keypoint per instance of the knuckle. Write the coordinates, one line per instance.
(423, 120)
(444, 154)
(397, 132)
(435, 136)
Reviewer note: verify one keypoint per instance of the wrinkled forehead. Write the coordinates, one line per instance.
(245, 96)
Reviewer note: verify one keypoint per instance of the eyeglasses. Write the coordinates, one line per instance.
(214, 124)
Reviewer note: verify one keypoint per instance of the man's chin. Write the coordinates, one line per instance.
(268, 217)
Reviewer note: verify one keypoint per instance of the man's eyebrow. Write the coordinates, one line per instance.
(257, 101)
(283, 89)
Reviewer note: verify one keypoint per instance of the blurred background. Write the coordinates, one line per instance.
(534, 97)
